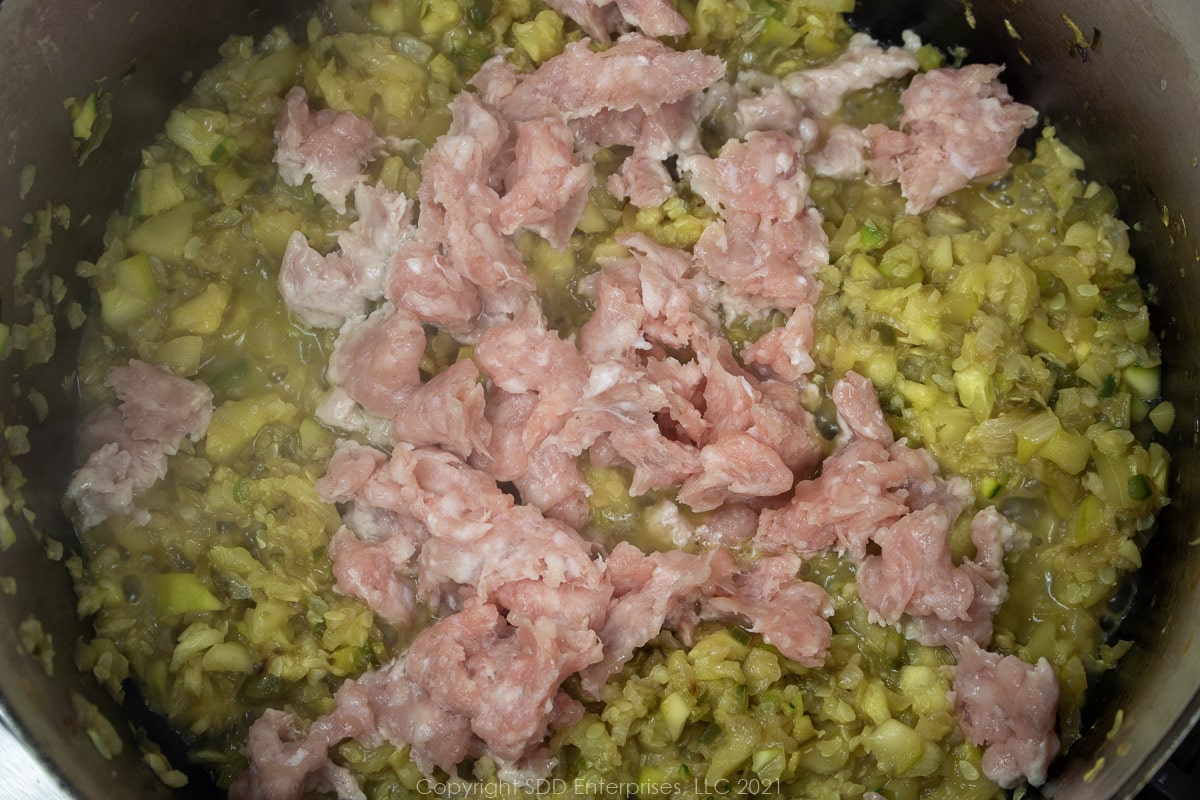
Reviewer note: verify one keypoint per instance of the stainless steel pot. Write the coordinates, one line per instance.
(1121, 80)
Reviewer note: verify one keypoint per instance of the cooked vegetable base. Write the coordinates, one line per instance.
(1003, 329)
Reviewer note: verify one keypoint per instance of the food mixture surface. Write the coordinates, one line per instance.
(612, 400)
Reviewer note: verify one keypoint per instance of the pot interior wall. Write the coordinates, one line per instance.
(1124, 92)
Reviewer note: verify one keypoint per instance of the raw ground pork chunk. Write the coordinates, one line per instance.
(128, 445)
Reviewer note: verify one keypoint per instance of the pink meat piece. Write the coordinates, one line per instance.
(647, 589)
(735, 467)
(614, 330)
(885, 148)
(769, 598)
(158, 406)
(1009, 707)
(962, 125)
(675, 589)
(619, 403)
(763, 105)
(859, 491)
(377, 573)
(770, 242)
(770, 411)
(495, 79)
(656, 18)
(376, 358)
(520, 545)
(553, 483)
(637, 72)
(128, 446)
(867, 485)
(785, 352)
(406, 715)
(673, 130)
(506, 457)
(504, 679)
(600, 18)
(662, 292)
(843, 156)
(547, 185)
(859, 414)
(522, 355)
(729, 526)
(657, 461)
(339, 410)
(285, 764)
(914, 574)
(349, 473)
(423, 282)
(479, 540)
(774, 264)
(325, 291)
(458, 250)
(763, 175)
(779, 421)
(863, 65)
(993, 537)
(328, 146)
(447, 411)
(675, 295)
(682, 383)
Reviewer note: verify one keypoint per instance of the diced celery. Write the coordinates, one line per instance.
(1044, 339)
(165, 234)
(738, 742)
(273, 229)
(388, 15)
(929, 58)
(1162, 416)
(136, 276)
(542, 37)
(182, 354)
(776, 33)
(769, 764)
(593, 219)
(439, 16)
(199, 131)
(1033, 432)
(761, 668)
(231, 185)
(1089, 520)
(1144, 381)
(902, 263)
(203, 313)
(923, 686)
(896, 747)
(83, 116)
(1069, 450)
(990, 487)
(675, 710)
(975, 391)
(183, 592)
(228, 657)
(442, 69)
(875, 702)
(235, 423)
(156, 190)
(119, 309)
